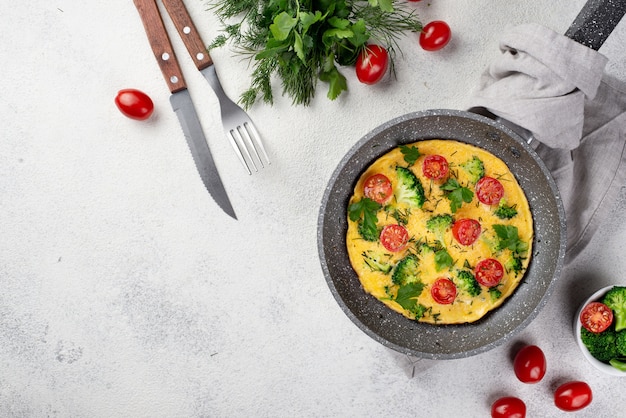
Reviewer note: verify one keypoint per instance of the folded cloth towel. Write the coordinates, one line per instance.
(557, 89)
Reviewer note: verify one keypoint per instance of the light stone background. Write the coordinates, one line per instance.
(126, 292)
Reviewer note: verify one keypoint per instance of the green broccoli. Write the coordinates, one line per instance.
(504, 211)
(406, 271)
(616, 300)
(466, 281)
(514, 264)
(620, 342)
(377, 262)
(601, 346)
(409, 189)
(495, 293)
(438, 225)
(475, 168)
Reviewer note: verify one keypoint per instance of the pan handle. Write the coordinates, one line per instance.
(595, 22)
(525, 134)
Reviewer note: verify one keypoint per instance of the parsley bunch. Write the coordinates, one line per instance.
(303, 41)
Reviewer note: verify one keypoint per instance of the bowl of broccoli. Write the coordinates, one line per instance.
(600, 329)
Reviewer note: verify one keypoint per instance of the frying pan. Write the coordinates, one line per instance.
(458, 340)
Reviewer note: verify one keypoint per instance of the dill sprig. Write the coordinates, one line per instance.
(301, 42)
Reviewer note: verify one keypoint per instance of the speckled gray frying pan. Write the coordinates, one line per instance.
(593, 25)
(444, 341)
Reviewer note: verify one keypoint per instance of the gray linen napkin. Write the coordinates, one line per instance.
(557, 89)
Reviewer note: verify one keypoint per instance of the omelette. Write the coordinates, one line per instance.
(439, 231)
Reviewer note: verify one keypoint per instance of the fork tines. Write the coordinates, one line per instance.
(248, 146)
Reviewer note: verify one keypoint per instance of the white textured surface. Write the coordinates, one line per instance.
(126, 292)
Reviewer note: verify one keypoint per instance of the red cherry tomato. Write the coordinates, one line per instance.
(378, 188)
(530, 364)
(371, 64)
(573, 396)
(435, 35)
(508, 407)
(443, 291)
(466, 231)
(394, 237)
(489, 191)
(489, 272)
(596, 317)
(134, 104)
(435, 167)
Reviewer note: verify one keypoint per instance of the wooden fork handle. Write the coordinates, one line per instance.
(161, 45)
(188, 32)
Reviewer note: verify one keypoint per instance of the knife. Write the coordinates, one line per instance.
(181, 102)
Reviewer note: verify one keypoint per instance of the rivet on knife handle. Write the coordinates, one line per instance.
(161, 45)
(188, 32)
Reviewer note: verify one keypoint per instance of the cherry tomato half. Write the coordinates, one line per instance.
(443, 291)
(530, 364)
(508, 407)
(435, 35)
(378, 188)
(596, 317)
(134, 104)
(489, 272)
(573, 396)
(435, 167)
(489, 191)
(394, 237)
(466, 231)
(371, 64)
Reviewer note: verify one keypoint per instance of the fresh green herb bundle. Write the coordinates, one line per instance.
(304, 41)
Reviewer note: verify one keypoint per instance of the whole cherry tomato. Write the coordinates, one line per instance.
(435, 35)
(394, 237)
(596, 317)
(573, 396)
(371, 64)
(508, 407)
(134, 104)
(378, 188)
(530, 364)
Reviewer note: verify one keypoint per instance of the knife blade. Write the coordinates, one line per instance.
(182, 104)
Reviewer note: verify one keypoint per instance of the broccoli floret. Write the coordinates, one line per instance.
(616, 300)
(620, 343)
(467, 282)
(377, 262)
(495, 293)
(406, 271)
(475, 168)
(601, 345)
(514, 264)
(504, 211)
(438, 225)
(409, 189)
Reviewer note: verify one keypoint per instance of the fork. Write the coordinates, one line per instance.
(239, 128)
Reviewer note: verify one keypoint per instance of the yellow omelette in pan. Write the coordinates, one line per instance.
(439, 231)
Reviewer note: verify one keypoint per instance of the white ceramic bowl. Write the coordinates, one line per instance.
(606, 368)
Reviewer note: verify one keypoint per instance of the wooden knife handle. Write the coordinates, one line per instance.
(188, 32)
(161, 45)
